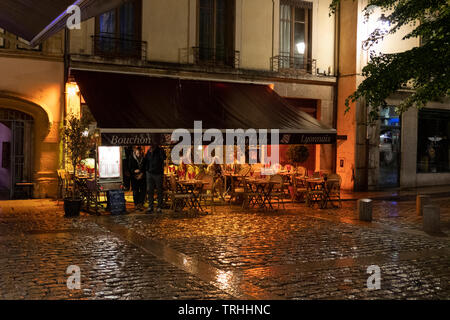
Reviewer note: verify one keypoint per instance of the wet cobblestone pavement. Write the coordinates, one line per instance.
(296, 253)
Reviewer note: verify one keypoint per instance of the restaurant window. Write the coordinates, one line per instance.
(216, 26)
(433, 148)
(118, 31)
(295, 34)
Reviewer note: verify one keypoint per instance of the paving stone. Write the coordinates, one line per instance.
(297, 253)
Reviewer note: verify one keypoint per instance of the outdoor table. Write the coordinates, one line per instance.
(320, 184)
(301, 179)
(193, 187)
(260, 192)
(287, 176)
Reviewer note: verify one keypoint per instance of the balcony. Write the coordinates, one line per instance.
(214, 57)
(107, 46)
(292, 66)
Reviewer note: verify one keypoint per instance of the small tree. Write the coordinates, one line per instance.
(425, 68)
(77, 142)
(297, 154)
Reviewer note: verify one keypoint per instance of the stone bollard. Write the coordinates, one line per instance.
(421, 201)
(365, 209)
(431, 218)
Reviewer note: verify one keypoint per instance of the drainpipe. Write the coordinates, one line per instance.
(337, 42)
(62, 159)
(66, 61)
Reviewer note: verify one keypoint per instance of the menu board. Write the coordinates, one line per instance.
(116, 201)
(109, 160)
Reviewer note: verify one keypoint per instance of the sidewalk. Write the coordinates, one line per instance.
(397, 194)
(293, 253)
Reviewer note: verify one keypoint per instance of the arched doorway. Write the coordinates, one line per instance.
(16, 153)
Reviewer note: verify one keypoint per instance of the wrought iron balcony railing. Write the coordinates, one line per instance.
(291, 65)
(215, 57)
(107, 46)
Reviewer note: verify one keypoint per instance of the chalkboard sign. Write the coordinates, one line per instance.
(116, 201)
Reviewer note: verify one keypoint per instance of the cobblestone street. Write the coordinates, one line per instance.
(293, 253)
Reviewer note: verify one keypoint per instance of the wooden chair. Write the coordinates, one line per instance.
(61, 185)
(317, 175)
(239, 187)
(314, 195)
(208, 191)
(219, 187)
(245, 171)
(179, 199)
(277, 193)
(300, 191)
(334, 188)
(250, 196)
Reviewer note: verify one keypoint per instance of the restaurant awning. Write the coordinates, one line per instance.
(35, 21)
(127, 105)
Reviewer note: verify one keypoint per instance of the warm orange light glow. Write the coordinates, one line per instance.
(272, 86)
(72, 89)
(73, 99)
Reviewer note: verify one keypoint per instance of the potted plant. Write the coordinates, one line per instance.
(297, 154)
(78, 144)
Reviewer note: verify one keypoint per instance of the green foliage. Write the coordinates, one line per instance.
(424, 69)
(76, 142)
(297, 154)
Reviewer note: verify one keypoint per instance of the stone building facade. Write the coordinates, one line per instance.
(312, 59)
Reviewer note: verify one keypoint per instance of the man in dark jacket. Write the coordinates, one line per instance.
(136, 166)
(154, 164)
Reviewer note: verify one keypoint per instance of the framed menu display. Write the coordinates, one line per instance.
(109, 163)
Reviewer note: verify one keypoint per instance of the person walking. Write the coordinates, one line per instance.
(136, 166)
(154, 164)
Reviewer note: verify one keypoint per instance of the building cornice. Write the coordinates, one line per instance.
(191, 71)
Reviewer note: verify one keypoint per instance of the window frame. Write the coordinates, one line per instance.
(2, 40)
(435, 115)
(137, 22)
(229, 30)
(307, 6)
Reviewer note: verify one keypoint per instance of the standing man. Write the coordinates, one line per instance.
(138, 183)
(154, 163)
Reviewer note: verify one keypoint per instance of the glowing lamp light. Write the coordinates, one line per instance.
(301, 47)
(383, 24)
(72, 89)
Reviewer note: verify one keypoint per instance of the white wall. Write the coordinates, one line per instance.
(323, 37)
(170, 27)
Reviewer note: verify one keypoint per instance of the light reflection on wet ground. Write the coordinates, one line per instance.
(297, 253)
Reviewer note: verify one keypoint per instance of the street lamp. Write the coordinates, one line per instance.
(383, 24)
